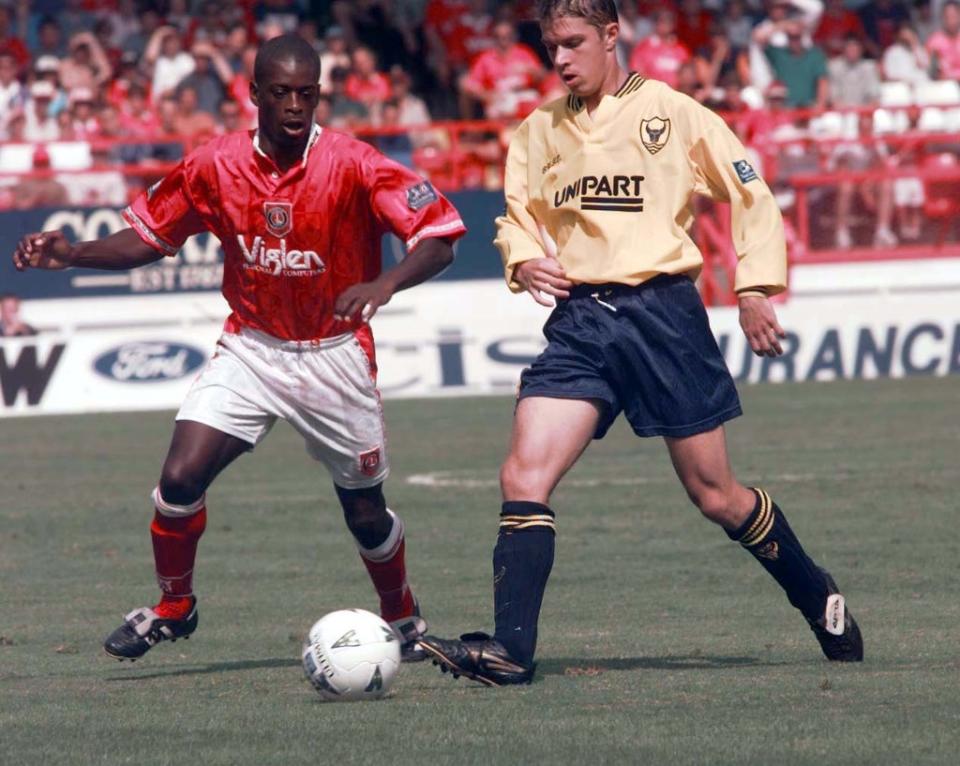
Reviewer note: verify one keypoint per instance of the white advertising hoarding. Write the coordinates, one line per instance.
(444, 338)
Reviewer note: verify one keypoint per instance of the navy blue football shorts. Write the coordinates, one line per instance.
(646, 351)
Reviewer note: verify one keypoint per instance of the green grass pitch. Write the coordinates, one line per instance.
(661, 642)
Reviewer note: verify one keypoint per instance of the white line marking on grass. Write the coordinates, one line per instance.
(464, 480)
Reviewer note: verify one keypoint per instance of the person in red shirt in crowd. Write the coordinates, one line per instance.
(694, 26)
(944, 44)
(837, 24)
(661, 55)
(365, 84)
(9, 42)
(506, 78)
(439, 22)
(136, 116)
(300, 212)
(471, 35)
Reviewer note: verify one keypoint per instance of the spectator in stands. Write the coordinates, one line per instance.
(505, 79)
(323, 114)
(397, 146)
(10, 42)
(923, 20)
(87, 66)
(771, 32)
(231, 116)
(307, 30)
(737, 25)
(209, 26)
(719, 61)
(944, 44)
(882, 19)
(854, 80)
(149, 21)
(191, 122)
(40, 125)
(50, 40)
(238, 38)
(15, 126)
(412, 110)
(346, 112)
(103, 33)
(471, 34)
(167, 61)
(800, 66)
(661, 55)
(11, 323)
(694, 25)
(875, 195)
(210, 78)
(836, 25)
(906, 60)
(335, 55)
(281, 14)
(365, 84)
(65, 125)
(634, 27)
(440, 19)
(124, 20)
(690, 84)
(80, 105)
(136, 116)
(47, 68)
(12, 93)
(376, 24)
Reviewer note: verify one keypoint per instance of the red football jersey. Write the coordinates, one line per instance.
(292, 241)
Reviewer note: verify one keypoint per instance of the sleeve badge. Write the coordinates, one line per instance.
(745, 171)
(420, 195)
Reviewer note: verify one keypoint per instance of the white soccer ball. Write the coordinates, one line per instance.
(351, 655)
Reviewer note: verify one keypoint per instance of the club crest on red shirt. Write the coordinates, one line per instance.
(370, 461)
(279, 217)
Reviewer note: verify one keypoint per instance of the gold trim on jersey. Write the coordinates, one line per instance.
(631, 84)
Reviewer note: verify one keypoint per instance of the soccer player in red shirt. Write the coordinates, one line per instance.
(300, 212)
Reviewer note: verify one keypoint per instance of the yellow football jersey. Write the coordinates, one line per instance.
(613, 190)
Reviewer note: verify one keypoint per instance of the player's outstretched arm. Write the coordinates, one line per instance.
(51, 250)
(427, 259)
(759, 323)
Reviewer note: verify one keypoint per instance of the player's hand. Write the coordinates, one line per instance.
(42, 250)
(363, 299)
(759, 323)
(543, 276)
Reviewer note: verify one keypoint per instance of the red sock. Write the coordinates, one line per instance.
(388, 570)
(176, 531)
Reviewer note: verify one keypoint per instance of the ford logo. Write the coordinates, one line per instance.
(149, 362)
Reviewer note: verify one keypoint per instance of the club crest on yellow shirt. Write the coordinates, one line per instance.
(654, 133)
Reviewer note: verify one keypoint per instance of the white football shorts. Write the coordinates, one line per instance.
(325, 389)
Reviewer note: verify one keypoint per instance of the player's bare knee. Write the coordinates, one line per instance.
(181, 484)
(520, 481)
(363, 509)
(713, 502)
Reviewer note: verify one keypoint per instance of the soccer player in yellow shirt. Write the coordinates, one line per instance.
(598, 188)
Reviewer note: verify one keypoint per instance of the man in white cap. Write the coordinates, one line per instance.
(40, 124)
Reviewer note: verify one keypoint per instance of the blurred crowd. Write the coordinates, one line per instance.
(138, 81)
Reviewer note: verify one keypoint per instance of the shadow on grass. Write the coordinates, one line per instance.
(214, 667)
(587, 666)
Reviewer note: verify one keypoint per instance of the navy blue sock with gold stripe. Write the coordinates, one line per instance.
(522, 560)
(768, 536)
